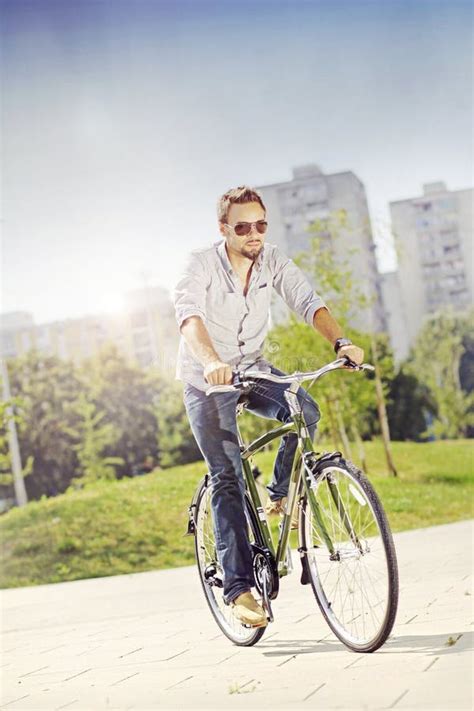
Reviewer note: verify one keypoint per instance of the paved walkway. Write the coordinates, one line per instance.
(147, 641)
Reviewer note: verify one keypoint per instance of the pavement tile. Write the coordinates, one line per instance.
(441, 693)
(83, 645)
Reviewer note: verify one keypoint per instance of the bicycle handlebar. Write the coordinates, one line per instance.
(244, 378)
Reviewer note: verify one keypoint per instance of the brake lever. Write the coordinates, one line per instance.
(355, 366)
(220, 389)
(350, 363)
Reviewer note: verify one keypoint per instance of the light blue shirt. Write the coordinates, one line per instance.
(237, 324)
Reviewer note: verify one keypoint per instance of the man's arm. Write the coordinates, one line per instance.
(197, 337)
(295, 289)
(190, 305)
(328, 327)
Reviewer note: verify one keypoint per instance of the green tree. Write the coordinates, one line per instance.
(466, 365)
(176, 443)
(92, 438)
(436, 361)
(6, 474)
(45, 388)
(345, 397)
(410, 406)
(125, 394)
(466, 368)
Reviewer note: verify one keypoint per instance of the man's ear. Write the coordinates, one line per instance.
(222, 229)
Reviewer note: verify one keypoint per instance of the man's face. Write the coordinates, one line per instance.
(249, 245)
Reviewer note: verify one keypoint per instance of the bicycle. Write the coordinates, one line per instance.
(344, 539)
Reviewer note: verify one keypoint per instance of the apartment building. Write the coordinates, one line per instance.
(394, 307)
(144, 331)
(151, 325)
(294, 205)
(434, 235)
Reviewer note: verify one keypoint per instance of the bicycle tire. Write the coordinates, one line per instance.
(359, 493)
(237, 633)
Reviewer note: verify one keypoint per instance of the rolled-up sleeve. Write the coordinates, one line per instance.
(294, 288)
(190, 291)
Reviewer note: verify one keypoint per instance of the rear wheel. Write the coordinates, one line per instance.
(355, 583)
(211, 574)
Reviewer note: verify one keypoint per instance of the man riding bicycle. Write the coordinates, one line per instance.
(222, 303)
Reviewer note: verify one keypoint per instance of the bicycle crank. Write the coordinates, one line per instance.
(262, 575)
(266, 577)
(265, 599)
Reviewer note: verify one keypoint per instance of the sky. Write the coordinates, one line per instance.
(124, 120)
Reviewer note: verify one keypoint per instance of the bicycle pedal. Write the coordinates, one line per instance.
(256, 627)
(269, 612)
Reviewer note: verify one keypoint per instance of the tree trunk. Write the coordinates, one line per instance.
(382, 412)
(334, 430)
(342, 430)
(360, 446)
(354, 429)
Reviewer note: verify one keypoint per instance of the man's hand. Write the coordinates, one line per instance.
(355, 353)
(218, 373)
(327, 326)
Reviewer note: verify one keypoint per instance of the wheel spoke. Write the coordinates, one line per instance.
(353, 585)
(206, 555)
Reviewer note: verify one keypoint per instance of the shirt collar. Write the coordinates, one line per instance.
(222, 252)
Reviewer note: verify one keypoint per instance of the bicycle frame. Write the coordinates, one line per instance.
(305, 446)
(301, 475)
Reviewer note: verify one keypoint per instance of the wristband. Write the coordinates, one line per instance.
(340, 342)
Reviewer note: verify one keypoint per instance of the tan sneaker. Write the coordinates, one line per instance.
(247, 610)
(278, 507)
(275, 508)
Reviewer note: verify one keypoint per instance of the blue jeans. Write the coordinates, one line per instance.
(213, 422)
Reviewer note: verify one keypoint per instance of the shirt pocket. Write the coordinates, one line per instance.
(261, 296)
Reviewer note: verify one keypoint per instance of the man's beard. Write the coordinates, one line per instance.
(251, 252)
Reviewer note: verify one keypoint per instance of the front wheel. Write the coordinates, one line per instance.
(210, 571)
(350, 556)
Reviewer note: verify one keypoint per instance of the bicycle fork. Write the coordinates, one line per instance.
(311, 480)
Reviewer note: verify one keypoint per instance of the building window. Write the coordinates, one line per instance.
(446, 204)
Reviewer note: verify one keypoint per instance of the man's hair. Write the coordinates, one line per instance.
(237, 196)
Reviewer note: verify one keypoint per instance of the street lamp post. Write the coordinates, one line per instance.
(18, 483)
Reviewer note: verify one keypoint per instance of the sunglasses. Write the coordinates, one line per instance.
(244, 228)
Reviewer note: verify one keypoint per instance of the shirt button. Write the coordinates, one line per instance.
(241, 343)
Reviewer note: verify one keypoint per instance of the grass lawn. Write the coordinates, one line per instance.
(138, 524)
